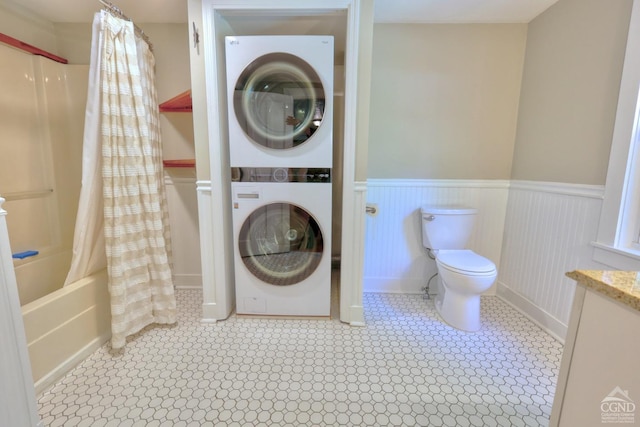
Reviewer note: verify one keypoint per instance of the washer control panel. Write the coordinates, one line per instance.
(320, 175)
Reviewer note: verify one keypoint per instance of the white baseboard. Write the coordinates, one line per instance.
(52, 377)
(187, 281)
(544, 320)
(394, 285)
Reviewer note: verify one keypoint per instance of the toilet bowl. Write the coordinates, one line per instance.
(463, 274)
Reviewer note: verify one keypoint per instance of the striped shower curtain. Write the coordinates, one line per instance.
(136, 226)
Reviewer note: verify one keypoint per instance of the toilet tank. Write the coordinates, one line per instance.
(447, 227)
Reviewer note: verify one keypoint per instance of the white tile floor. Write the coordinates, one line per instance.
(404, 368)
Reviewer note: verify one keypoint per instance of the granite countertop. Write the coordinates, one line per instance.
(622, 286)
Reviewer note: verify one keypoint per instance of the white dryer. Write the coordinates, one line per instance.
(282, 241)
(280, 100)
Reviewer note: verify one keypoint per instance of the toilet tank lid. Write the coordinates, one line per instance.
(447, 210)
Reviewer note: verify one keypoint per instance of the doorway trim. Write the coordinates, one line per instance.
(210, 131)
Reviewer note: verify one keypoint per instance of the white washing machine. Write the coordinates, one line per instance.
(280, 100)
(282, 238)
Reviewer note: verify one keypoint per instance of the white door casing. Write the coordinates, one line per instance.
(210, 118)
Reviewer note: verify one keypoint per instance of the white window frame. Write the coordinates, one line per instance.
(618, 232)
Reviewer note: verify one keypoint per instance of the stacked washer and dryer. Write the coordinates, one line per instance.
(280, 102)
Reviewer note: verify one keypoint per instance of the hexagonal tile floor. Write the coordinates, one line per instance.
(405, 368)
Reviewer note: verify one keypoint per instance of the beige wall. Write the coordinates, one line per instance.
(21, 24)
(171, 51)
(444, 100)
(364, 88)
(569, 91)
(74, 41)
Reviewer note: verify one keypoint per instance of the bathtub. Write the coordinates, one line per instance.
(41, 275)
(40, 176)
(65, 327)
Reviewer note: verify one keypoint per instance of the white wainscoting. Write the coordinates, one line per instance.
(182, 198)
(394, 259)
(548, 231)
(535, 232)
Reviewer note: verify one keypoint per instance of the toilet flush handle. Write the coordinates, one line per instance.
(430, 218)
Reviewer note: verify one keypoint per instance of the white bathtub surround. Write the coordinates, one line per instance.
(42, 274)
(40, 164)
(548, 232)
(395, 260)
(41, 172)
(404, 368)
(136, 223)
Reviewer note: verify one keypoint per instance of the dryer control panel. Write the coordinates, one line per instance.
(307, 175)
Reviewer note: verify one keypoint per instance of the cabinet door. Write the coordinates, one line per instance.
(604, 379)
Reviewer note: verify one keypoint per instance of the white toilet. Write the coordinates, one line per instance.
(463, 274)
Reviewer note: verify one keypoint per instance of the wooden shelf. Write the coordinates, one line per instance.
(178, 104)
(180, 163)
(31, 49)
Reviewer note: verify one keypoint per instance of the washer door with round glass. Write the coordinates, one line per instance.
(280, 244)
(279, 101)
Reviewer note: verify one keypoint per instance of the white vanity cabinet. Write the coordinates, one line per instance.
(599, 379)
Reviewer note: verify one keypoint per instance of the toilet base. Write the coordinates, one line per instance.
(460, 311)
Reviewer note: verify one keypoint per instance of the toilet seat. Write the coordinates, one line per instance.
(465, 262)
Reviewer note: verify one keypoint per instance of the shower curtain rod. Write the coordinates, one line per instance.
(118, 12)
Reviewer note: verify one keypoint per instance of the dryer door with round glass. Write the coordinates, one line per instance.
(280, 244)
(279, 101)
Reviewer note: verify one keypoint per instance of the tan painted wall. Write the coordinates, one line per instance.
(444, 100)
(21, 24)
(364, 88)
(570, 86)
(171, 50)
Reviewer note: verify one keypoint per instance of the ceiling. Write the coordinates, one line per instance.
(386, 11)
(459, 11)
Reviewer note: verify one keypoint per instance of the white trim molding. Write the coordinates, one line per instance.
(439, 183)
(533, 312)
(352, 258)
(621, 210)
(203, 186)
(212, 310)
(614, 257)
(17, 394)
(187, 281)
(208, 77)
(353, 192)
(578, 190)
(178, 180)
